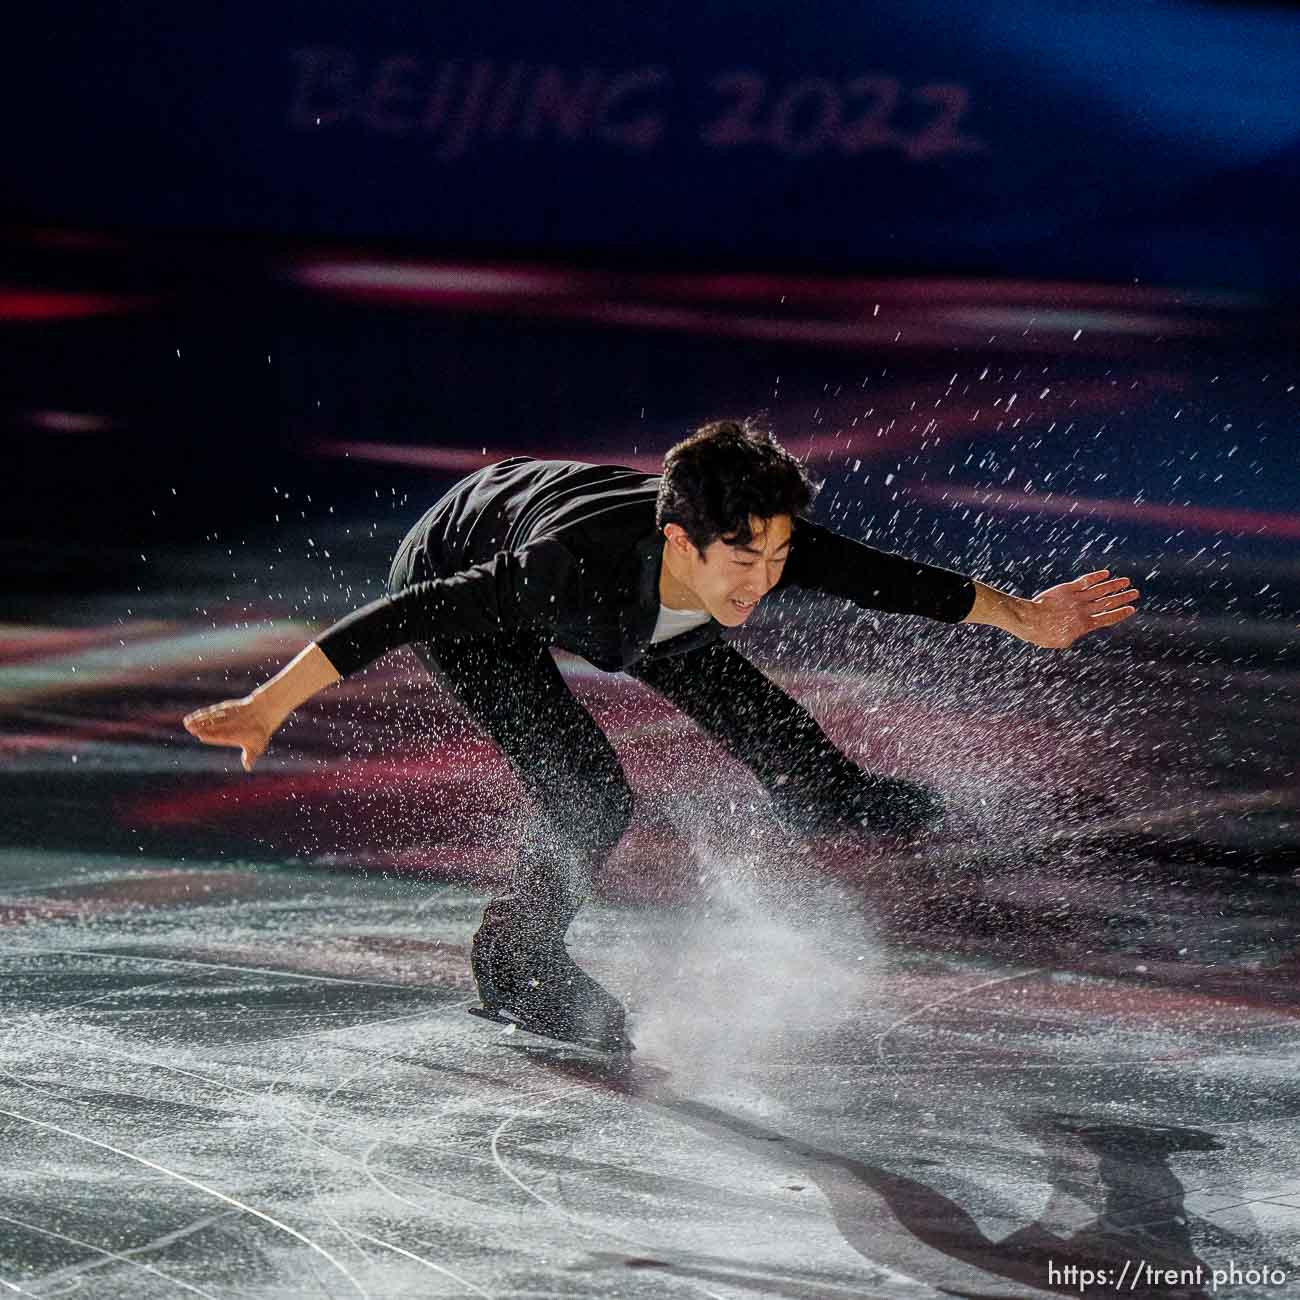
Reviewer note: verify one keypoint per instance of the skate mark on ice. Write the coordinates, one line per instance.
(118, 955)
(354, 1234)
(495, 1147)
(110, 1050)
(75, 1271)
(368, 1168)
(198, 1186)
(20, 1021)
(422, 1014)
(130, 956)
(460, 1152)
(257, 1096)
(842, 1179)
(276, 1122)
(122, 1258)
(986, 1067)
(939, 1002)
(556, 1208)
(16, 1023)
(428, 1263)
(680, 1264)
(547, 1096)
(148, 1063)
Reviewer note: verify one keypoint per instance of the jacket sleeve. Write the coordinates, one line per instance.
(822, 560)
(511, 591)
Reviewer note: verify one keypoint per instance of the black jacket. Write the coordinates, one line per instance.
(570, 552)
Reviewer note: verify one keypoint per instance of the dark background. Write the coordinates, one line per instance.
(1018, 281)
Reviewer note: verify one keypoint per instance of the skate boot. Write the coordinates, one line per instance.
(535, 984)
(879, 805)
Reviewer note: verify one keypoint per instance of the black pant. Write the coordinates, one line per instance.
(515, 693)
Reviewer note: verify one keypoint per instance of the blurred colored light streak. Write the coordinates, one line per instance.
(1212, 519)
(439, 281)
(48, 304)
(448, 769)
(77, 672)
(20, 642)
(70, 422)
(461, 459)
(851, 291)
(1060, 322)
(142, 888)
(903, 326)
(836, 312)
(901, 419)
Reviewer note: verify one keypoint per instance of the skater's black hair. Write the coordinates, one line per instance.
(724, 474)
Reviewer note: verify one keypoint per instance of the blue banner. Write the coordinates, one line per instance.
(1155, 142)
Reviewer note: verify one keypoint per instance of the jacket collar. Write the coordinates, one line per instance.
(641, 611)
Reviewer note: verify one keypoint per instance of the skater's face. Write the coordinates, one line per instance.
(726, 579)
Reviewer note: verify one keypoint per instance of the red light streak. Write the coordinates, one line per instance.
(43, 305)
(1210, 519)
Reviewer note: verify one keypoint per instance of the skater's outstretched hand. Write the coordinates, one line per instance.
(248, 724)
(1056, 618)
(237, 723)
(1062, 614)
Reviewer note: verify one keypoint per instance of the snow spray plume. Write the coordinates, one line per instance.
(751, 974)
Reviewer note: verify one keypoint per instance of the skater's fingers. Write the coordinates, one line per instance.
(1118, 600)
(208, 711)
(1100, 589)
(211, 729)
(226, 716)
(1089, 579)
(211, 713)
(1112, 616)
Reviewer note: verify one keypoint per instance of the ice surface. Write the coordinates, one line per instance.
(229, 1094)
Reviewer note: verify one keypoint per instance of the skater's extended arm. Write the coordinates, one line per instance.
(1056, 618)
(827, 561)
(823, 560)
(248, 724)
(511, 590)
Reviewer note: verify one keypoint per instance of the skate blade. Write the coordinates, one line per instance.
(614, 1046)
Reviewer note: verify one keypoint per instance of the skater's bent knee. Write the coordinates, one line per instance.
(901, 808)
(597, 813)
(616, 808)
(883, 805)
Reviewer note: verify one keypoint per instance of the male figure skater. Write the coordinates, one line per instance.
(642, 574)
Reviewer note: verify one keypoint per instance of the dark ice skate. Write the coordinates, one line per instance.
(537, 986)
